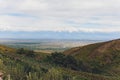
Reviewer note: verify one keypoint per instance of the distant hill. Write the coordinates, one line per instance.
(106, 55)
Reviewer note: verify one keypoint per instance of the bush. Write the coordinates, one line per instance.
(56, 58)
(21, 51)
(70, 62)
(62, 60)
(29, 53)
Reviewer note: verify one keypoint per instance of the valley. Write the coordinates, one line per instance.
(46, 45)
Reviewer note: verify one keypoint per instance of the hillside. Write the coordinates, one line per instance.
(95, 50)
(5, 49)
(100, 61)
(105, 55)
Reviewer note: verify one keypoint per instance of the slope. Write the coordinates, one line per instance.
(100, 57)
(5, 49)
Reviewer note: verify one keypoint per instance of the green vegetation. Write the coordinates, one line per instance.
(99, 61)
(98, 58)
(29, 53)
(62, 60)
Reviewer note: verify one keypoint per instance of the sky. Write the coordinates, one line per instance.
(72, 19)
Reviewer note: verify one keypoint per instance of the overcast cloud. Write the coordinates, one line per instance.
(60, 15)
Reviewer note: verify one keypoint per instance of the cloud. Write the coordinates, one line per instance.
(60, 15)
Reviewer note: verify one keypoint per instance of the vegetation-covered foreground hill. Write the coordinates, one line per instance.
(100, 57)
(100, 61)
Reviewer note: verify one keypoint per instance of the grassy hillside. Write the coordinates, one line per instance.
(105, 56)
(100, 61)
(5, 49)
(94, 50)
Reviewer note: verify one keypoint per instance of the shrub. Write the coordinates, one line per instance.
(29, 53)
(62, 60)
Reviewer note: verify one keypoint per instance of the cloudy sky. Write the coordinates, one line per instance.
(90, 17)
